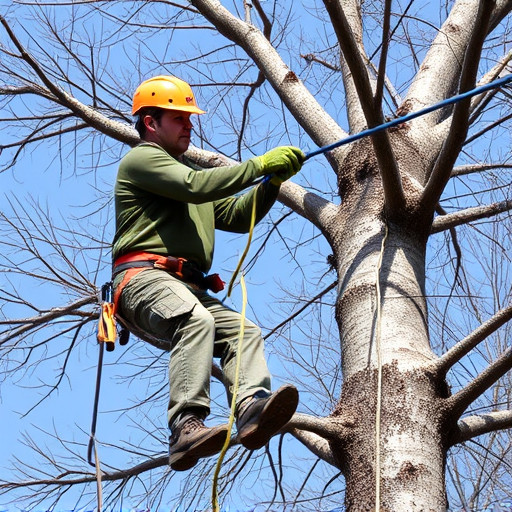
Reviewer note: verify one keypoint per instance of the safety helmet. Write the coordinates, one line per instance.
(166, 92)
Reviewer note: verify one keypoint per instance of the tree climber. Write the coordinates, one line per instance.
(167, 211)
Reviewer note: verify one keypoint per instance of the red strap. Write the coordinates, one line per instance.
(131, 272)
(138, 256)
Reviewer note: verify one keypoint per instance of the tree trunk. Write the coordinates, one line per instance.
(386, 358)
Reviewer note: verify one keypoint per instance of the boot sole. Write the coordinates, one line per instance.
(202, 448)
(274, 416)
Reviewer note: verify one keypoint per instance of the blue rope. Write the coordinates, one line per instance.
(399, 120)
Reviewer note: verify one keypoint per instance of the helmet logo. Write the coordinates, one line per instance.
(189, 99)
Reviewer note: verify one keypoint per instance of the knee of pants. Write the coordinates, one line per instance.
(201, 320)
(252, 331)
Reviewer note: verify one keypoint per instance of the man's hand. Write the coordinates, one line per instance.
(282, 163)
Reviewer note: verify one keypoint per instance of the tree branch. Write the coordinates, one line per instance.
(443, 59)
(460, 116)
(326, 428)
(28, 324)
(477, 425)
(94, 119)
(315, 120)
(463, 347)
(301, 309)
(464, 170)
(352, 52)
(444, 222)
(381, 75)
(87, 477)
(316, 445)
(478, 103)
(459, 402)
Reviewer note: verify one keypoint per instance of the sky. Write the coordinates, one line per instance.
(61, 182)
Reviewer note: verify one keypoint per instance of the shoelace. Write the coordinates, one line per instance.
(192, 424)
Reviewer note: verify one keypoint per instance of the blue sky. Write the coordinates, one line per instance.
(59, 180)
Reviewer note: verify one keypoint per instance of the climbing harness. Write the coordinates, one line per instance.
(134, 262)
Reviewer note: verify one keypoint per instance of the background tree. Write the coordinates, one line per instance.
(398, 246)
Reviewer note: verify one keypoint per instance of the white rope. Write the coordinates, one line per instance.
(379, 372)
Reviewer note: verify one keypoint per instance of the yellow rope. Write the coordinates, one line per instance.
(379, 373)
(99, 490)
(234, 391)
(247, 246)
(215, 495)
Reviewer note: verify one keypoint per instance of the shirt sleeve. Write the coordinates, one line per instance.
(152, 169)
(234, 213)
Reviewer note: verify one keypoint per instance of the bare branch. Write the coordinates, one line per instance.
(379, 89)
(478, 103)
(457, 352)
(311, 206)
(301, 309)
(459, 402)
(352, 52)
(68, 478)
(315, 121)
(444, 222)
(477, 425)
(114, 129)
(460, 117)
(28, 324)
(463, 170)
(316, 444)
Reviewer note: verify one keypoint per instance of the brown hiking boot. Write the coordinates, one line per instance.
(261, 417)
(191, 440)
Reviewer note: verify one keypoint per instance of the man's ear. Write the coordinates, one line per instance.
(149, 123)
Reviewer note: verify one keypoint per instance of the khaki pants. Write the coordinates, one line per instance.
(198, 327)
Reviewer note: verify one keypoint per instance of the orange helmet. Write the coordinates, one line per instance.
(166, 92)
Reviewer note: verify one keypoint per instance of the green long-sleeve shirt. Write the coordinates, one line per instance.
(166, 207)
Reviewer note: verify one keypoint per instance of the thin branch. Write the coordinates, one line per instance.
(477, 425)
(459, 402)
(457, 352)
(28, 324)
(478, 103)
(381, 75)
(300, 310)
(87, 477)
(464, 170)
(316, 445)
(309, 205)
(444, 222)
(114, 129)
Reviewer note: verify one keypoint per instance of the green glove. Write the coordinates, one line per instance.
(282, 163)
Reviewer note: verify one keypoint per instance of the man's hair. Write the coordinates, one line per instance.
(155, 112)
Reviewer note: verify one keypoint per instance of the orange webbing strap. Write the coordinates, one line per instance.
(132, 257)
(128, 274)
(107, 332)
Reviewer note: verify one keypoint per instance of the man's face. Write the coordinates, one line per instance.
(172, 132)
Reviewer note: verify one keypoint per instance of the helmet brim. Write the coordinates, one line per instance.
(192, 109)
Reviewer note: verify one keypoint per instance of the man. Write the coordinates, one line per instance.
(166, 215)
